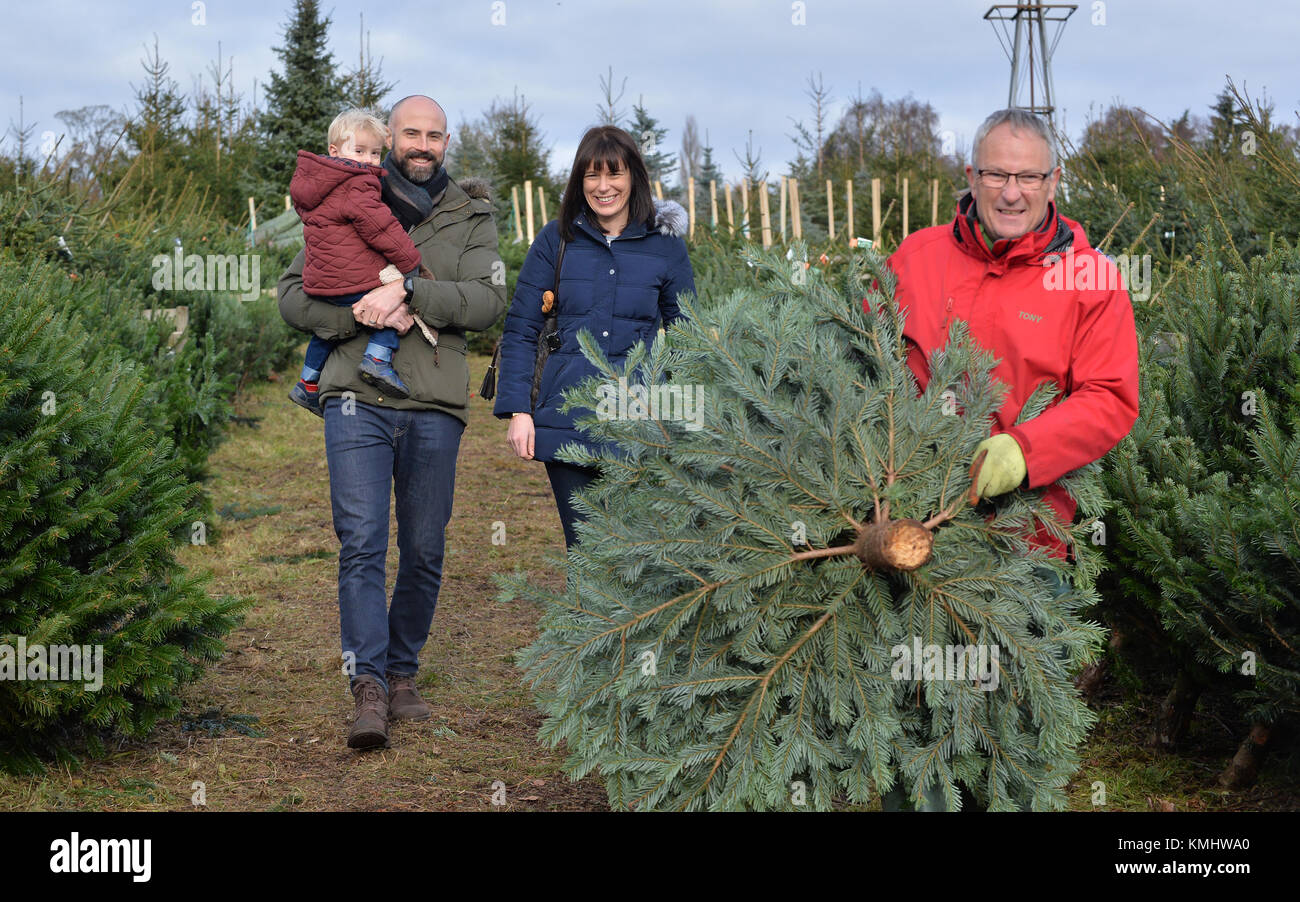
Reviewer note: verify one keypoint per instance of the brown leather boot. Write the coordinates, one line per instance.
(404, 702)
(370, 724)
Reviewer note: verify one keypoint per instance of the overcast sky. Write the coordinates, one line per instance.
(734, 65)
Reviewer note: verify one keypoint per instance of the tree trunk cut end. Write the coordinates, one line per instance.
(903, 545)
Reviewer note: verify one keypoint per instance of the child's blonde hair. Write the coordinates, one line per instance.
(349, 122)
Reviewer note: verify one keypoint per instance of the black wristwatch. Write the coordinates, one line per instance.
(409, 284)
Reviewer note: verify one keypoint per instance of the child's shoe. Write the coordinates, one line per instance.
(382, 376)
(306, 397)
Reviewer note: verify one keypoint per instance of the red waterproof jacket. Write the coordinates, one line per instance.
(350, 232)
(1051, 309)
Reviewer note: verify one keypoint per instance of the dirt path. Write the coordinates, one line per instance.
(265, 727)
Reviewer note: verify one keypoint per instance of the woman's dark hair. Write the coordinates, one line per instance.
(606, 147)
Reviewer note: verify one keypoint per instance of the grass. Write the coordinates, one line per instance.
(264, 729)
(1137, 777)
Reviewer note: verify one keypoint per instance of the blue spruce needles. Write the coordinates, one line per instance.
(720, 646)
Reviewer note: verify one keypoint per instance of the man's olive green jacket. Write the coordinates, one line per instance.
(458, 244)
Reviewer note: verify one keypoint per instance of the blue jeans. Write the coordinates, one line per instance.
(373, 452)
(319, 348)
(565, 480)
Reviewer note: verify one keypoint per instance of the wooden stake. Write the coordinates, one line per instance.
(659, 190)
(785, 191)
(541, 203)
(905, 206)
(934, 202)
(830, 209)
(875, 212)
(690, 195)
(252, 216)
(528, 209)
(744, 207)
(796, 215)
(731, 219)
(713, 204)
(514, 202)
(767, 215)
(849, 203)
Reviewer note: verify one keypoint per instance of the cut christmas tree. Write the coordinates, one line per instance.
(783, 596)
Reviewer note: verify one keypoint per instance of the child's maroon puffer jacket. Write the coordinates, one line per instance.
(350, 232)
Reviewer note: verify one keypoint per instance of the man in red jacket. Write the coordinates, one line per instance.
(1036, 295)
(1052, 309)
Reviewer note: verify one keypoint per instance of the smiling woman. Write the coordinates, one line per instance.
(614, 263)
(613, 183)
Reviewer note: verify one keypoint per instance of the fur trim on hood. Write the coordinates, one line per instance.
(671, 218)
(476, 187)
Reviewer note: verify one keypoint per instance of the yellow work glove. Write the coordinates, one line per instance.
(1004, 466)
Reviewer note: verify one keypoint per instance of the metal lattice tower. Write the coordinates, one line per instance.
(1022, 30)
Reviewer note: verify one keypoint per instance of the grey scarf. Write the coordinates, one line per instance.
(412, 203)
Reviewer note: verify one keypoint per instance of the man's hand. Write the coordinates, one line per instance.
(400, 320)
(1004, 466)
(378, 304)
(520, 435)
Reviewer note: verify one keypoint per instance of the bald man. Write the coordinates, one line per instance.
(377, 444)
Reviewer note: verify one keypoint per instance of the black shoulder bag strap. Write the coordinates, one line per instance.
(548, 339)
(488, 390)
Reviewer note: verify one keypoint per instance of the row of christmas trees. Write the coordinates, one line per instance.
(107, 419)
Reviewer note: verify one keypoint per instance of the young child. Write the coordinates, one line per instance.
(354, 244)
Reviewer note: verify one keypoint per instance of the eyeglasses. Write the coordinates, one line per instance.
(1028, 181)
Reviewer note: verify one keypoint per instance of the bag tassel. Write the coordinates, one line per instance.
(488, 390)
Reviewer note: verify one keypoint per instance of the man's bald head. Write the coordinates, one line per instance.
(417, 105)
(420, 135)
